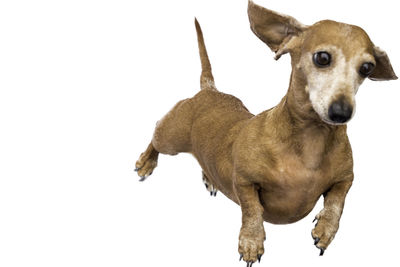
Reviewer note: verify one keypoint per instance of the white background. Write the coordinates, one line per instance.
(82, 85)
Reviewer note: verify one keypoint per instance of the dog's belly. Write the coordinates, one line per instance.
(285, 199)
(286, 207)
(290, 195)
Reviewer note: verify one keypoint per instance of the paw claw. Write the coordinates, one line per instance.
(142, 178)
(210, 187)
(316, 240)
(241, 257)
(259, 258)
(322, 251)
(213, 193)
(249, 264)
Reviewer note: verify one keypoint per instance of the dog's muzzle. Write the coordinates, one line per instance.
(340, 111)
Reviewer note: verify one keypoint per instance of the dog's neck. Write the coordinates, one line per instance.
(300, 125)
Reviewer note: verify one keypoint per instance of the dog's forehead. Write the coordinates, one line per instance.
(351, 39)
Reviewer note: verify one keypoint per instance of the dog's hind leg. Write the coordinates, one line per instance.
(209, 186)
(171, 136)
(146, 162)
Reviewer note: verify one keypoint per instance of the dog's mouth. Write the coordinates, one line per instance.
(330, 122)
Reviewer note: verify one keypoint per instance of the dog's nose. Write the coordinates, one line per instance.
(340, 111)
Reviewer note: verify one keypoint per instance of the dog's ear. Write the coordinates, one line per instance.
(274, 29)
(383, 70)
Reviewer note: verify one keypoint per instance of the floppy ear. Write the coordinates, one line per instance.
(383, 70)
(274, 29)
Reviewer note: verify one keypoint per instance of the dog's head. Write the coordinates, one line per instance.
(333, 58)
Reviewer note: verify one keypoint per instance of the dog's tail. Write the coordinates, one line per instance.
(206, 78)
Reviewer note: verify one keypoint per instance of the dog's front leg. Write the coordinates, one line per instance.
(329, 217)
(252, 234)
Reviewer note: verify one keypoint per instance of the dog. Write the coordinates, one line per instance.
(277, 164)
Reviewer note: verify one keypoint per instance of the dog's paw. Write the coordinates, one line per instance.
(251, 245)
(209, 186)
(146, 164)
(324, 231)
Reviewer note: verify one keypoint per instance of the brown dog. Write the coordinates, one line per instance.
(277, 164)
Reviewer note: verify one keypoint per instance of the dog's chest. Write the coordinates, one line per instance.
(303, 162)
(311, 149)
(303, 165)
(299, 176)
(295, 172)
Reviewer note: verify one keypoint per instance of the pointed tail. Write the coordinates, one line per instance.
(206, 78)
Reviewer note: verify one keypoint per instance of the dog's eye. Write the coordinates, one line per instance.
(322, 59)
(366, 69)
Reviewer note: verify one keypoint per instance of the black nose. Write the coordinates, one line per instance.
(340, 111)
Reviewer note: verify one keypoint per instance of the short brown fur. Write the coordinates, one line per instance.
(277, 164)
